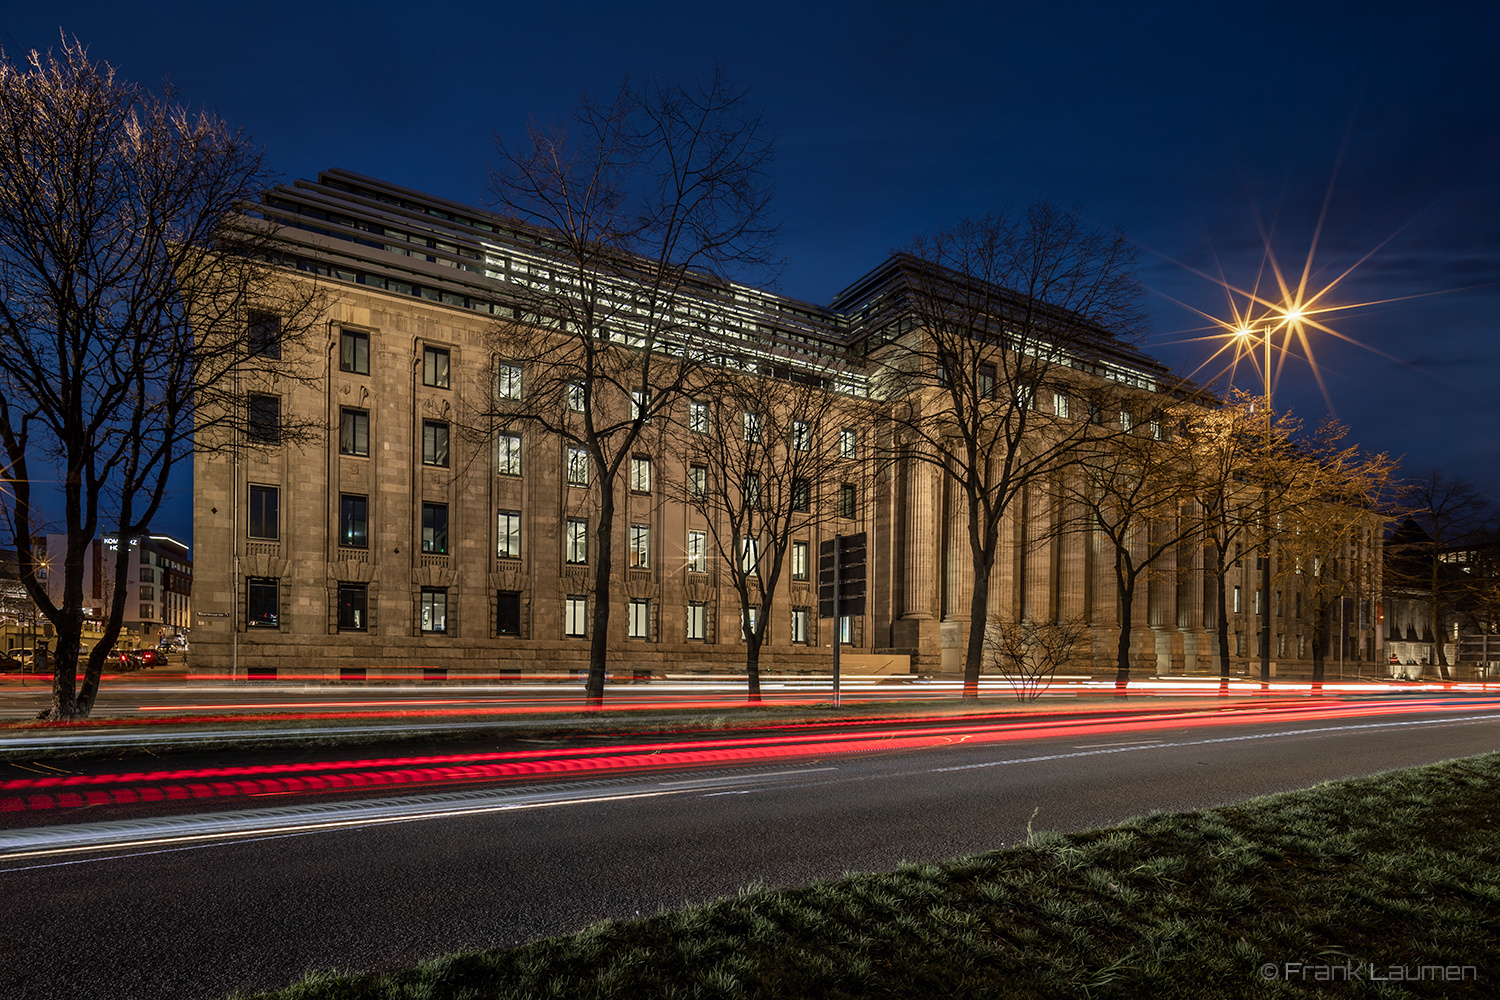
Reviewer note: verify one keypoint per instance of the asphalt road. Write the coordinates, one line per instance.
(274, 889)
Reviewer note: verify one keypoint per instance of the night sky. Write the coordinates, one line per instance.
(1204, 131)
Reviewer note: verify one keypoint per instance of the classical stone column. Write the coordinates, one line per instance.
(920, 589)
(958, 575)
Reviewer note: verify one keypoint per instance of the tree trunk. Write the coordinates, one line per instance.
(1223, 627)
(752, 659)
(979, 606)
(1439, 658)
(1126, 590)
(603, 573)
(1320, 643)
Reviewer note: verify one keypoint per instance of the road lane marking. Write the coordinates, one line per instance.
(741, 778)
(1220, 739)
(1127, 743)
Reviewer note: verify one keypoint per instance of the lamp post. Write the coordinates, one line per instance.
(1265, 546)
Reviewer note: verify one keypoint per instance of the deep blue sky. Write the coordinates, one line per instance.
(1191, 126)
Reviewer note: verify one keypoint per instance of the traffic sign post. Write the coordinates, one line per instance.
(841, 587)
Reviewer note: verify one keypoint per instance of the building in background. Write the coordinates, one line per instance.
(398, 541)
(159, 583)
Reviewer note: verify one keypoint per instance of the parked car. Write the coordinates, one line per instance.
(9, 664)
(153, 657)
(129, 659)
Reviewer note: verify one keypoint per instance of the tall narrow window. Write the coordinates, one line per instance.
(263, 602)
(1060, 405)
(435, 528)
(801, 435)
(801, 495)
(749, 618)
(986, 381)
(508, 454)
(508, 534)
(263, 333)
(354, 352)
(697, 551)
(698, 417)
(265, 520)
(848, 505)
(577, 395)
(640, 405)
(507, 612)
(353, 607)
(434, 609)
(697, 622)
(799, 625)
(640, 546)
(697, 481)
(848, 443)
(354, 521)
(752, 490)
(846, 631)
(750, 426)
(749, 555)
(640, 619)
(578, 467)
(264, 419)
(576, 616)
(435, 367)
(508, 382)
(354, 432)
(640, 474)
(435, 443)
(576, 541)
(1236, 608)
(799, 561)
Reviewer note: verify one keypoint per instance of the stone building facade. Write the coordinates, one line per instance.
(399, 542)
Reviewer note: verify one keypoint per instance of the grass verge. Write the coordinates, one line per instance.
(1337, 890)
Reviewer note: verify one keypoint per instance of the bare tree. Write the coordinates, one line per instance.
(996, 385)
(1452, 513)
(133, 297)
(1136, 491)
(641, 209)
(1028, 653)
(1231, 479)
(760, 471)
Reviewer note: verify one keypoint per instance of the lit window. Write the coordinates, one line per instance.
(508, 454)
(1060, 405)
(697, 481)
(578, 467)
(697, 552)
(435, 528)
(354, 521)
(507, 382)
(1237, 608)
(640, 405)
(577, 395)
(801, 435)
(697, 622)
(799, 625)
(265, 503)
(354, 352)
(434, 610)
(640, 619)
(575, 616)
(750, 426)
(262, 602)
(749, 618)
(1025, 396)
(799, 561)
(576, 548)
(846, 631)
(640, 474)
(353, 607)
(354, 432)
(752, 490)
(640, 546)
(508, 535)
(435, 443)
(848, 443)
(749, 556)
(698, 417)
(435, 367)
(1127, 420)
